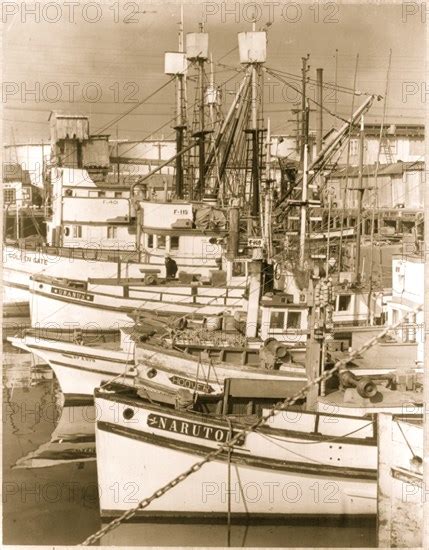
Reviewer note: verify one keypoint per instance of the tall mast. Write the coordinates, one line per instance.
(319, 135)
(197, 45)
(304, 71)
(179, 116)
(360, 196)
(303, 217)
(252, 46)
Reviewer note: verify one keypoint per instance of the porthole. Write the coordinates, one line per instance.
(151, 373)
(40, 286)
(128, 413)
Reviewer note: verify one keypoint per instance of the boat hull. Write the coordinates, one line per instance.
(79, 369)
(136, 456)
(55, 303)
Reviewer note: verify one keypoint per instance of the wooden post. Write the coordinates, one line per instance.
(255, 270)
(312, 353)
(384, 480)
(425, 527)
(234, 228)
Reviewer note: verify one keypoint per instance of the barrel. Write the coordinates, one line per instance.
(213, 323)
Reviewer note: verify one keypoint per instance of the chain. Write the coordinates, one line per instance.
(279, 407)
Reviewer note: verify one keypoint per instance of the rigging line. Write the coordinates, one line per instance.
(340, 254)
(309, 98)
(344, 89)
(289, 450)
(187, 109)
(238, 437)
(330, 439)
(406, 440)
(134, 107)
(375, 193)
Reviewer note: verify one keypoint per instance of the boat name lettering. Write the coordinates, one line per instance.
(202, 431)
(191, 384)
(81, 357)
(30, 259)
(72, 294)
(110, 201)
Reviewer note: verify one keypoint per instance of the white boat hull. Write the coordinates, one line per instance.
(105, 308)
(284, 476)
(19, 265)
(80, 369)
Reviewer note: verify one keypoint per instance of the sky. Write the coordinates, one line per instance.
(101, 58)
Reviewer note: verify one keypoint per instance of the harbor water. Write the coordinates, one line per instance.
(50, 492)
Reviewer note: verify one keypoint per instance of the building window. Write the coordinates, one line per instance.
(277, 319)
(112, 232)
(417, 147)
(9, 196)
(149, 240)
(161, 241)
(174, 243)
(293, 319)
(118, 194)
(344, 302)
(77, 231)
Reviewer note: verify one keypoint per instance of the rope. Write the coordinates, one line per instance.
(406, 441)
(279, 407)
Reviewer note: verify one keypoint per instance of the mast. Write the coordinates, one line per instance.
(304, 71)
(255, 140)
(303, 216)
(179, 116)
(197, 51)
(319, 135)
(360, 197)
(267, 234)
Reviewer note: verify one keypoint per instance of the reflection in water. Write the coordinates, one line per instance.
(296, 534)
(73, 439)
(58, 505)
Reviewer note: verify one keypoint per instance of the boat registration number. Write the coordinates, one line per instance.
(193, 429)
(72, 294)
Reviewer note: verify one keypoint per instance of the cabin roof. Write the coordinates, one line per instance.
(14, 172)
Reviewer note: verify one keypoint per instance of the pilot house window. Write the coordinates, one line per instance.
(293, 319)
(77, 231)
(344, 302)
(111, 232)
(174, 243)
(161, 241)
(277, 319)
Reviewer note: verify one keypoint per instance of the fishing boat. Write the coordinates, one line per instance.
(81, 368)
(298, 463)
